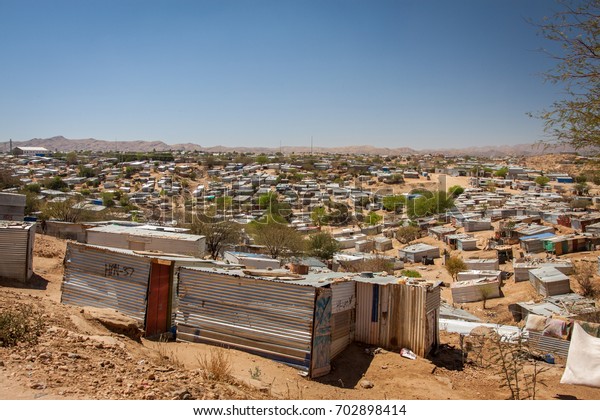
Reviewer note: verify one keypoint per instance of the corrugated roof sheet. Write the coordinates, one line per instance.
(128, 230)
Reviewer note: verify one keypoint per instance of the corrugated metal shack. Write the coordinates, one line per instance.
(479, 274)
(16, 249)
(476, 225)
(535, 243)
(139, 285)
(583, 222)
(393, 314)
(570, 305)
(462, 241)
(466, 243)
(251, 260)
(482, 264)
(417, 252)
(439, 232)
(137, 239)
(286, 318)
(567, 244)
(548, 281)
(522, 267)
(12, 206)
(305, 321)
(475, 290)
(545, 342)
(65, 230)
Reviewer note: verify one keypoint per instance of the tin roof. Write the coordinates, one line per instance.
(418, 248)
(130, 230)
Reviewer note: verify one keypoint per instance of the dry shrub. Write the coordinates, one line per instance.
(21, 324)
(216, 366)
(584, 277)
(511, 361)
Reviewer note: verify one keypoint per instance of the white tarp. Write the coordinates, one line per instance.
(583, 361)
(508, 332)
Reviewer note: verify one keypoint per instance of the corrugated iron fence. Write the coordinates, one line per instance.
(106, 279)
(266, 317)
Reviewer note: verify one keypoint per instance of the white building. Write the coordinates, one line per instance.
(30, 151)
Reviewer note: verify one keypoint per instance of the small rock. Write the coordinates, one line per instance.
(384, 367)
(73, 356)
(366, 384)
(181, 393)
(150, 396)
(37, 386)
(118, 379)
(30, 358)
(1, 363)
(152, 377)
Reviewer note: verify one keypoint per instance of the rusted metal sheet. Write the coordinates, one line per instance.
(104, 278)
(266, 317)
(16, 249)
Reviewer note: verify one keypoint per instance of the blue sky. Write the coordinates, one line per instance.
(419, 73)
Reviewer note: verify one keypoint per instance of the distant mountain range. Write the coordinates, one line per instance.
(62, 144)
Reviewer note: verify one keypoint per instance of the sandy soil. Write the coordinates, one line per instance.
(77, 358)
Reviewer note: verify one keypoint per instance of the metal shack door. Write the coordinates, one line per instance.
(157, 311)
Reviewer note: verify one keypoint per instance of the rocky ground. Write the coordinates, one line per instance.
(77, 357)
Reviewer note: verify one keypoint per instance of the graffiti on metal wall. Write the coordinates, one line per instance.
(117, 270)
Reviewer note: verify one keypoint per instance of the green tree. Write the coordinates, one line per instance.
(455, 265)
(55, 183)
(373, 218)
(69, 210)
(319, 216)
(262, 159)
(279, 239)
(322, 245)
(501, 173)
(108, 199)
(393, 203)
(455, 190)
(33, 188)
(218, 233)
(71, 158)
(581, 188)
(430, 204)
(86, 172)
(406, 234)
(8, 180)
(339, 213)
(575, 119)
(542, 180)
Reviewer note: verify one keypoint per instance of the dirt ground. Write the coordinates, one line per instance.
(78, 358)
